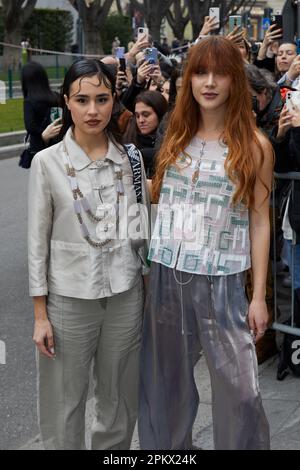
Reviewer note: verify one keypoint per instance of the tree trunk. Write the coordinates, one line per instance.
(93, 41)
(93, 19)
(155, 28)
(177, 20)
(12, 57)
(16, 13)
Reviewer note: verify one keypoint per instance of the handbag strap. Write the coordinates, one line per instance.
(134, 157)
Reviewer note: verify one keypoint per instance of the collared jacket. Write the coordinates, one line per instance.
(61, 260)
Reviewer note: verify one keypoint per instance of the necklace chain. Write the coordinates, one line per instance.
(80, 201)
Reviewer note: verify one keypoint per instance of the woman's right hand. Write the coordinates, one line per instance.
(140, 45)
(52, 130)
(43, 337)
(143, 73)
(210, 24)
(237, 35)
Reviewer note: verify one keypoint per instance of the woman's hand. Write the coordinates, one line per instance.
(139, 46)
(236, 35)
(258, 318)
(122, 81)
(156, 75)
(52, 131)
(284, 124)
(43, 332)
(43, 337)
(143, 73)
(271, 36)
(210, 24)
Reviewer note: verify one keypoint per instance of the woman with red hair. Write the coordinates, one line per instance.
(212, 185)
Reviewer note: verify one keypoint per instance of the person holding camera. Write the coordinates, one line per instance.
(288, 65)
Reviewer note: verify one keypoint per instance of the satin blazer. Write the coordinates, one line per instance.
(60, 259)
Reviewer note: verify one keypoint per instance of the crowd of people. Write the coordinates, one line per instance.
(198, 136)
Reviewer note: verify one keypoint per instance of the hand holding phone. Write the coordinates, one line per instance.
(235, 21)
(120, 52)
(277, 19)
(122, 62)
(55, 113)
(143, 33)
(214, 13)
(151, 55)
(293, 101)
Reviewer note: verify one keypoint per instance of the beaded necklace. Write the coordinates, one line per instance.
(80, 202)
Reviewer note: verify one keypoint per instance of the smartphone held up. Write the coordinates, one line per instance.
(214, 13)
(234, 22)
(143, 33)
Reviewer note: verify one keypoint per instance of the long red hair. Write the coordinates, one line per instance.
(215, 54)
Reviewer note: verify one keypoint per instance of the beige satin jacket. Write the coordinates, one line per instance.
(61, 261)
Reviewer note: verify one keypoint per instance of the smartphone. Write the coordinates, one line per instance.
(293, 100)
(122, 62)
(120, 52)
(215, 13)
(298, 46)
(55, 113)
(151, 55)
(143, 32)
(277, 19)
(255, 105)
(234, 21)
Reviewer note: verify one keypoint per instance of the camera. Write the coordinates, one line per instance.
(255, 48)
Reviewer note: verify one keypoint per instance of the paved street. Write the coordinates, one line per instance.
(17, 377)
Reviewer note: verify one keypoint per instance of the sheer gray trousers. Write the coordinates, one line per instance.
(184, 314)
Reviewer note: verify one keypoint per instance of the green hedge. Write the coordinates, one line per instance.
(47, 29)
(116, 25)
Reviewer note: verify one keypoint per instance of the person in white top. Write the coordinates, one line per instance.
(212, 184)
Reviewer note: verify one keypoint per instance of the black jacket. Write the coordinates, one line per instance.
(129, 97)
(36, 118)
(287, 154)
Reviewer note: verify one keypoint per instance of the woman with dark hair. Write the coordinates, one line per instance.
(149, 109)
(85, 269)
(38, 101)
(212, 183)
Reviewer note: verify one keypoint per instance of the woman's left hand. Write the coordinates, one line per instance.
(52, 131)
(258, 318)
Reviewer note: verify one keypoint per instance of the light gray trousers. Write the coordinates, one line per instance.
(106, 333)
(208, 312)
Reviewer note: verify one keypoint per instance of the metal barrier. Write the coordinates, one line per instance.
(291, 176)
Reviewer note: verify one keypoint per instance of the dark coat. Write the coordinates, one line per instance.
(287, 153)
(36, 118)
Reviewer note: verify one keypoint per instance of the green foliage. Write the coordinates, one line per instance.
(116, 25)
(50, 29)
(47, 29)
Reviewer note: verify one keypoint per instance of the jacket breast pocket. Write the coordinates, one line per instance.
(70, 260)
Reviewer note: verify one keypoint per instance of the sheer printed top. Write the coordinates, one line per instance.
(197, 228)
